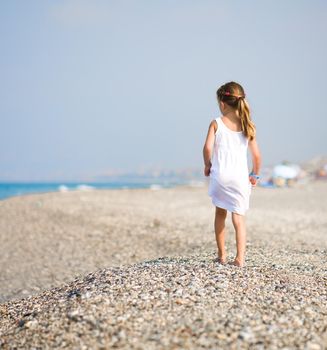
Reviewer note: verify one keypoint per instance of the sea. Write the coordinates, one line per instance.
(11, 189)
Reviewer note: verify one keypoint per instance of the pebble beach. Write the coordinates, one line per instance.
(135, 269)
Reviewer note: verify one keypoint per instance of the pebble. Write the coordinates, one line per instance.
(159, 288)
(119, 313)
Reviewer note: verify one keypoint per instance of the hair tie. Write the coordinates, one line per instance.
(227, 93)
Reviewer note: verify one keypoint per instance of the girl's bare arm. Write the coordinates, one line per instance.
(256, 156)
(207, 148)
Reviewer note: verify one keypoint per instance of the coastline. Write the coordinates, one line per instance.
(54, 187)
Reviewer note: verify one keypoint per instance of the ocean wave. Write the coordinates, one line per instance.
(155, 187)
(63, 188)
(84, 187)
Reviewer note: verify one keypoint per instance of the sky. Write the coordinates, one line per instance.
(94, 87)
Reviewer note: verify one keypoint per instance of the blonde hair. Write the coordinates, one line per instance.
(234, 96)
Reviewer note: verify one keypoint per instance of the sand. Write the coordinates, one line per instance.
(134, 269)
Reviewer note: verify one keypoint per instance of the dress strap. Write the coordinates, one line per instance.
(218, 121)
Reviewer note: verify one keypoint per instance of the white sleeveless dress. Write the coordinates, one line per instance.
(229, 184)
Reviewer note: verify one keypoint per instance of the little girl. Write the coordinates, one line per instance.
(225, 159)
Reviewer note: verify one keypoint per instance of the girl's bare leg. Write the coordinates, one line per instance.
(240, 232)
(220, 233)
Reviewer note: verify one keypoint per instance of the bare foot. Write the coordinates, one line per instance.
(237, 263)
(222, 261)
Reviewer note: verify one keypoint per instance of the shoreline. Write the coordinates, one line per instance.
(198, 184)
(84, 187)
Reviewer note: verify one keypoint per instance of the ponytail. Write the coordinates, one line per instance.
(248, 126)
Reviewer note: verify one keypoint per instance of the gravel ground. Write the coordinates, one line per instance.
(134, 269)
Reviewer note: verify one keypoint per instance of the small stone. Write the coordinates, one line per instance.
(73, 315)
(31, 324)
(20, 323)
(246, 335)
(313, 346)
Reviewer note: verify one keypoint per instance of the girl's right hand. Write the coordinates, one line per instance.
(207, 170)
(254, 179)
